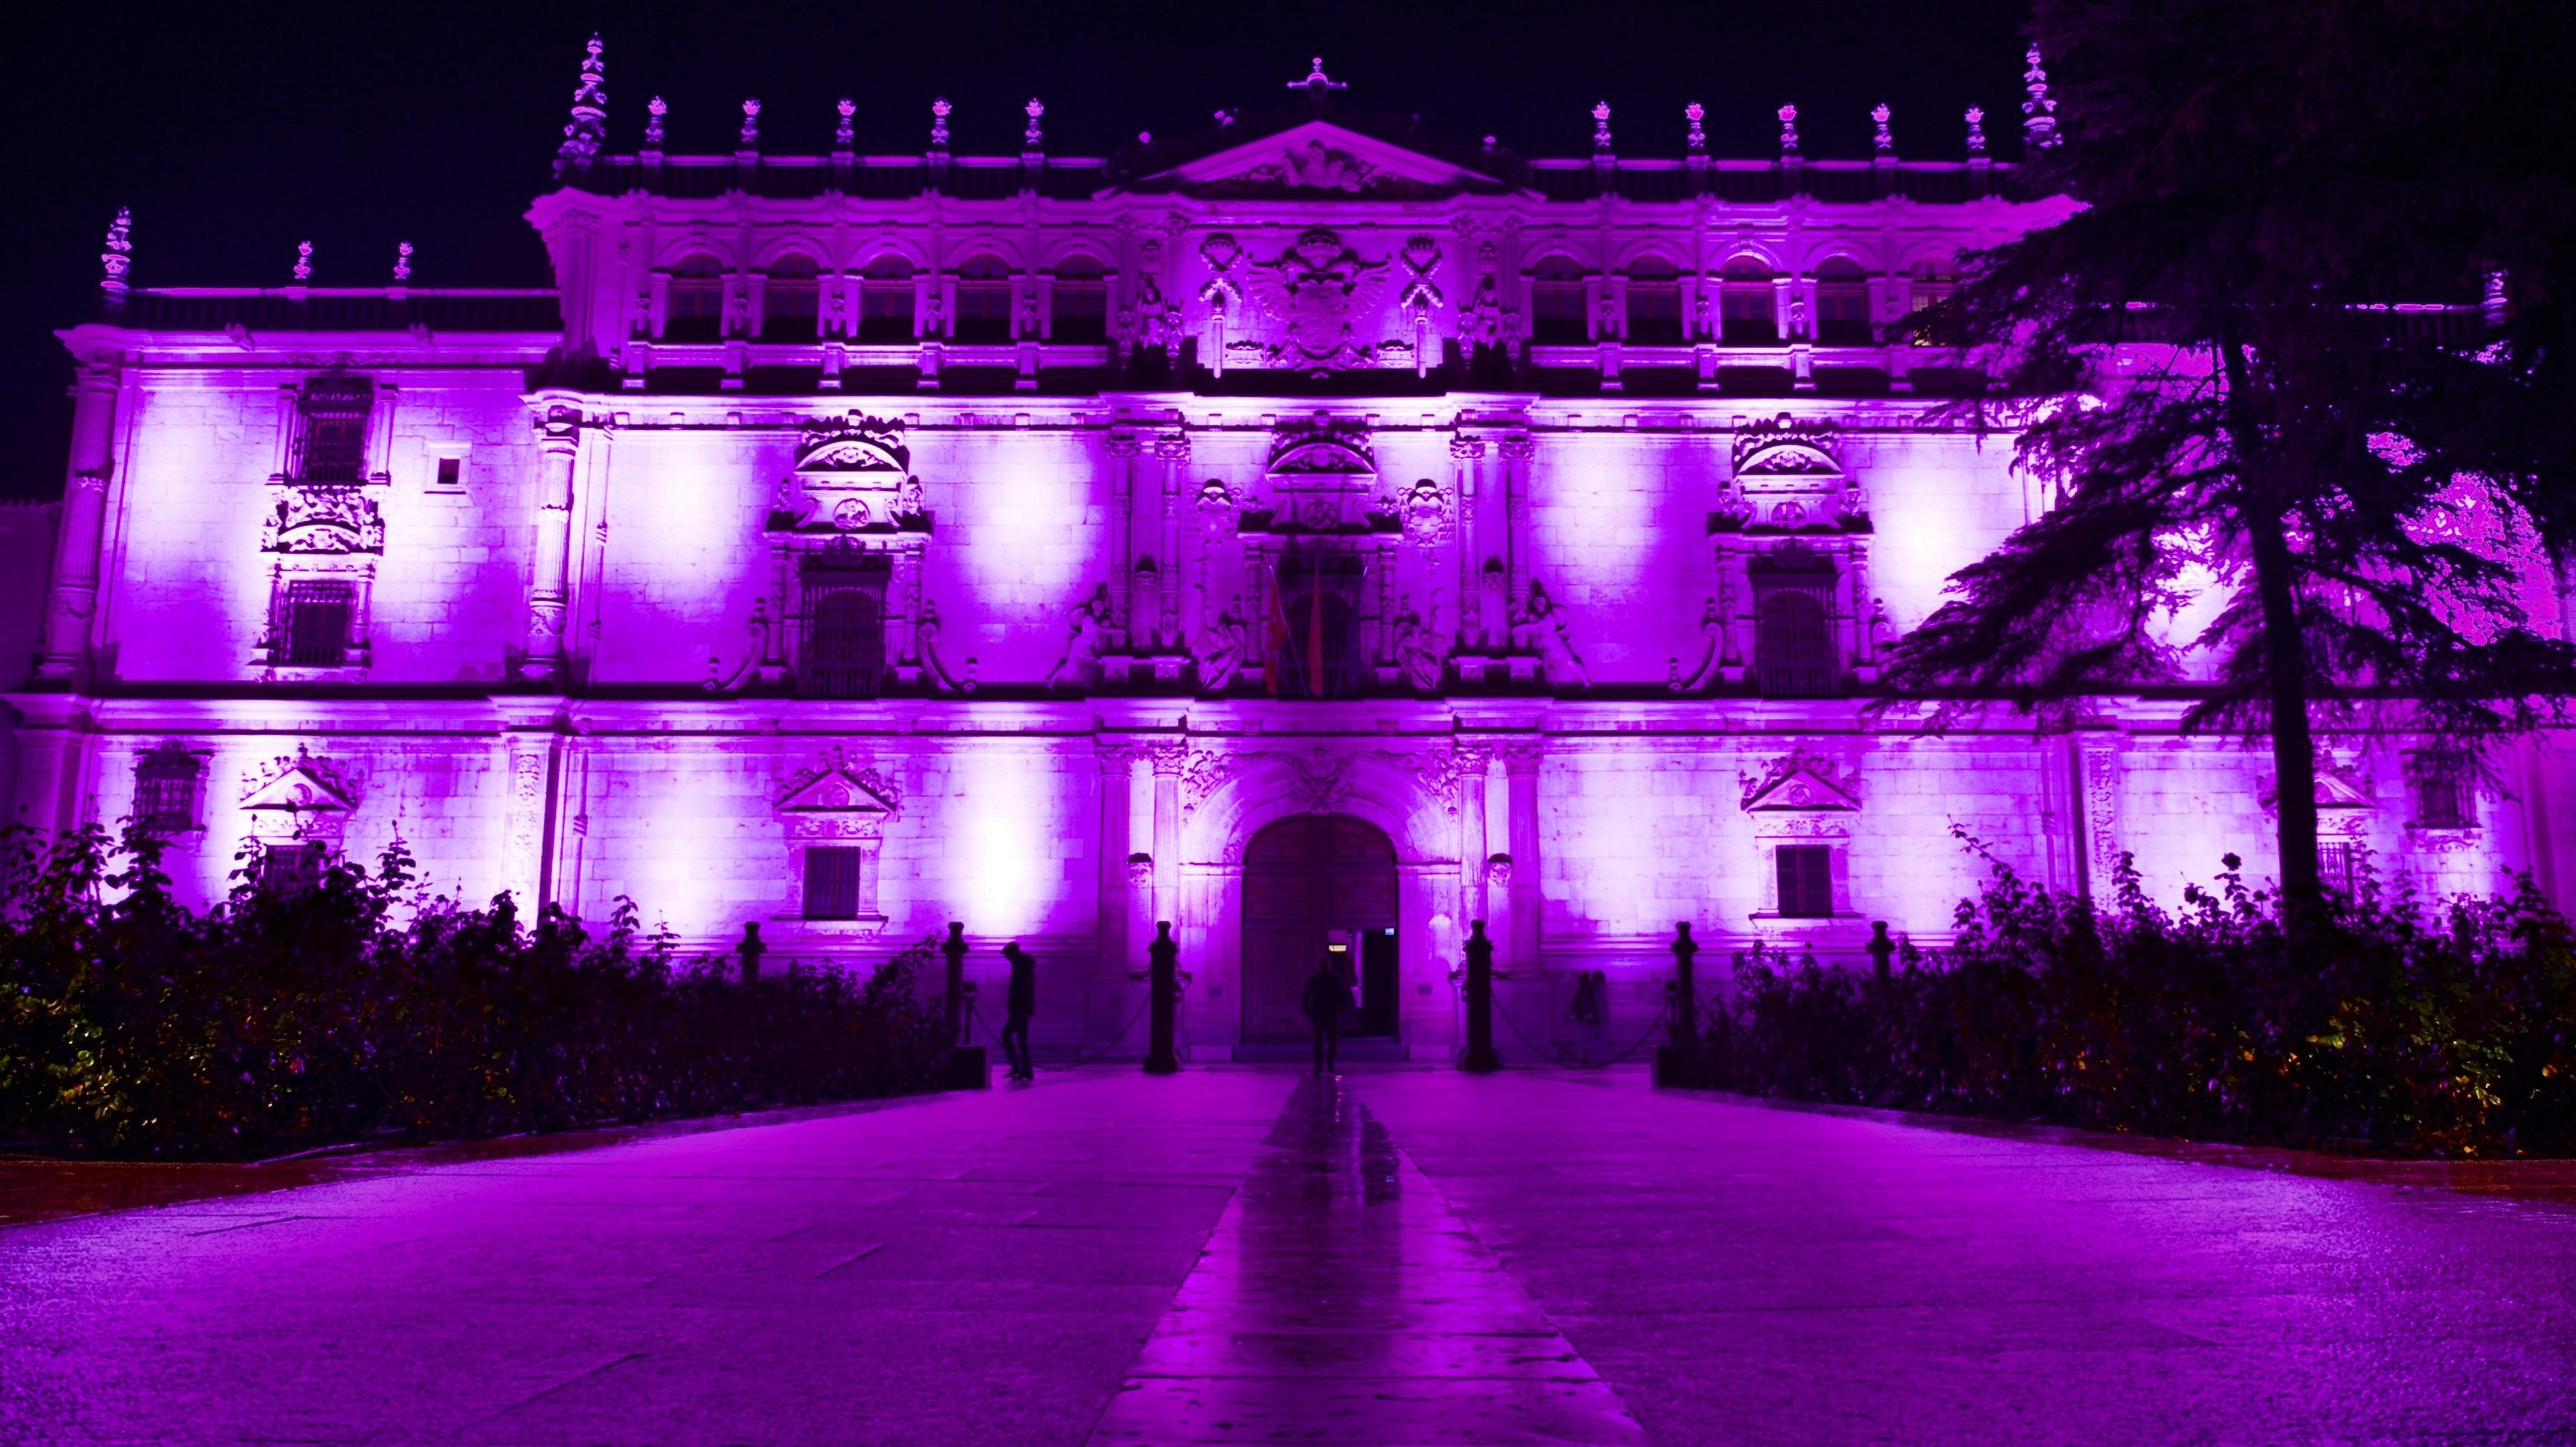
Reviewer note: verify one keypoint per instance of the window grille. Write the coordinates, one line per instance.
(844, 644)
(984, 301)
(1315, 646)
(1930, 287)
(1556, 303)
(1747, 314)
(697, 301)
(1079, 308)
(792, 301)
(312, 626)
(832, 878)
(1842, 304)
(885, 302)
(1793, 646)
(289, 866)
(2442, 794)
(331, 429)
(1654, 305)
(1806, 880)
(2338, 866)
(165, 792)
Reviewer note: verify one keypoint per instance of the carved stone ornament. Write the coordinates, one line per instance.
(838, 798)
(1421, 295)
(1426, 512)
(1801, 783)
(1335, 447)
(323, 519)
(1084, 625)
(1322, 780)
(1322, 292)
(1206, 772)
(1220, 648)
(298, 798)
(1786, 446)
(852, 475)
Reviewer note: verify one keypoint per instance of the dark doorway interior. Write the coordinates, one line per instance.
(1310, 883)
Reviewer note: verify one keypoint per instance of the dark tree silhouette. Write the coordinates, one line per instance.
(2221, 400)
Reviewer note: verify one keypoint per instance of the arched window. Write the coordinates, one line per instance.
(1747, 315)
(984, 300)
(885, 302)
(697, 300)
(1080, 311)
(792, 301)
(1793, 645)
(1930, 286)
(1842, 304)
(1556, 303)
(1655, 304)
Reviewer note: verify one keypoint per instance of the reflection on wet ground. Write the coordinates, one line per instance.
(1340, 1299)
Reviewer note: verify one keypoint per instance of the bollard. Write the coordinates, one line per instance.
(1676, 1063)
(954, 947)
(1163, 987)
(1480, 1002)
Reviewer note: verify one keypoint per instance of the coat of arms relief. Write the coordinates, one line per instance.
(1324, 296)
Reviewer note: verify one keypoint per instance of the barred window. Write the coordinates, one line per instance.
(1556, 303)
(832, 879)
(165, 791)
(2442, 793)
(792, 301)
(289, 866)
(1654, 304)
(1842, 304)
(1079, 308)
(1748, 316)
(984, 300)
(843, 643)
(2338, 866)
(331, 430)
(885, 302)
(311, 629)
(697, 301)
(1806, 880)
(1793, 646)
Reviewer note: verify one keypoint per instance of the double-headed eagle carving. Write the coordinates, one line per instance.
(1318, 289)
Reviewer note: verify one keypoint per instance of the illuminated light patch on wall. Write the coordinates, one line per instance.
(1008, 825)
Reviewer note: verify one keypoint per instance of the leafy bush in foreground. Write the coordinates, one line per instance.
(2444, 1031)
(133, 1026)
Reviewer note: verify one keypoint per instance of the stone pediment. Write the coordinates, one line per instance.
(1322, 451)
(298, 797)
(839, 788)
(1319, 159)
(853, 477)
(1804, 785)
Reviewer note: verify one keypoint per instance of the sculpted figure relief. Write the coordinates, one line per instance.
(1081, 661)
(1540, 629)
(1221, 648)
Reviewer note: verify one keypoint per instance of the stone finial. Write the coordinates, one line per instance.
(1976, 132)
(402, 263)
(1601, 127)
(750, 138)
(1317, 85)
(117, 255)
(939, 109)
(1033, 139)
(1697, 141)
(1882, 140)
(303, 262)
(2039, 113)
(1492, 145)
(589, 124)
(654, 110)
(843, 137)
(1788, 133)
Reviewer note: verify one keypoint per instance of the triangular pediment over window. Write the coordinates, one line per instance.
(1800, 787)
(1321, 160)
(839, 790)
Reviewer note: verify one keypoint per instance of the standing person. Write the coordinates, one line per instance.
(1021, 1003)
(1327, 996)
(1586, 1014)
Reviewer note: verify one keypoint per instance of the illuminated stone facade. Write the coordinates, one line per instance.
(851, 544)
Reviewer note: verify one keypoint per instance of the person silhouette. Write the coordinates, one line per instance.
(1019, 1004)
(1327, 996)
(1590, 988)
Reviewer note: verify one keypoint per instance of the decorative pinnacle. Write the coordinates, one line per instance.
(939, 124)
(1317, 84)
(1601, 126)
(2039, 123)
(1976, 131)
(842, 137)
(589, 123)
(402, 262)
(1031, 139)
(303, 262)
(654, 110)
(750, 140)
(113, 261)
(1698, 138)
(1882, 138)
(1789, 133)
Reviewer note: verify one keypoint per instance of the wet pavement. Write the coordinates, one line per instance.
(1408, 1256)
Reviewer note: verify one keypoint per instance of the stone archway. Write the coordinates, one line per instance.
(1309, 880)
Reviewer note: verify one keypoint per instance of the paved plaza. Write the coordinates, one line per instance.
(1243, 1255)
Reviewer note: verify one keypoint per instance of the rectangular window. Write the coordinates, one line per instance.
(289, 866)
(2442, 793)
(1806, 880)
(165, 793)
(1793, 643)
(451, 473)
(2338, 867)
(313, 624)
(832, 882)
(331, 430)
(841, 650)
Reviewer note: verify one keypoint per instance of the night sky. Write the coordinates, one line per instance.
(238, 130)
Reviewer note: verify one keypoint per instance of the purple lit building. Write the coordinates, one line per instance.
(1309, 538)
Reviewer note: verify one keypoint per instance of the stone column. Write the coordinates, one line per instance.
(1517, 450)
(530, 781)
(73, 608)
(1123, 450)
(1174, 451)
(1468, 453)
(1168, 759)
(1472, 761)
(559, 444)
(2097, 802)
(1117, 764)
(1520, 769)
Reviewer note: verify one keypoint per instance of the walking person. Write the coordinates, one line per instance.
(1019, 1005)
(1586, 1014)
(1327, 996)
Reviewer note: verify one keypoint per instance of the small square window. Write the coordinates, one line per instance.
(2338, 866)
(165, 792)
(2442, 799)
(451, 473)
(832, 875)
(1806, 880)
(289, 866)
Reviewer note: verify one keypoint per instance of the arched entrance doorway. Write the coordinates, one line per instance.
(1314, 884)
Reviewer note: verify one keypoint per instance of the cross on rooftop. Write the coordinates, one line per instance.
(1317, 85)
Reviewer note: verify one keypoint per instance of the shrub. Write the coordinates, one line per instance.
(2441, 1030)
(362, 1003)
